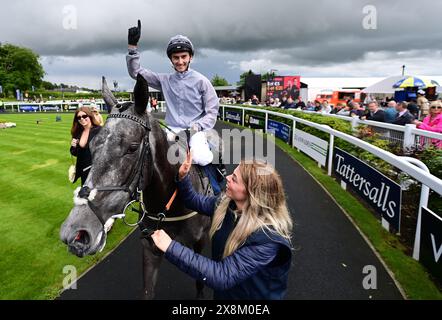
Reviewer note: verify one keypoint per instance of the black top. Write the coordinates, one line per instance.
(378, 116)
(414, 109)
(84, 157)
(357, 112)
(404, 119)
(301, 105)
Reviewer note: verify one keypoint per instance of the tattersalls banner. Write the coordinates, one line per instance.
(383, 194)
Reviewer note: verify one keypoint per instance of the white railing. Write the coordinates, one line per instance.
(401, 163)
(162, 105)
(408, 136)
(56, 104)
(59, 105)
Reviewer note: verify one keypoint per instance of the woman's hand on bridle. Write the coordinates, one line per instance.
(161, 239)
(185, 167)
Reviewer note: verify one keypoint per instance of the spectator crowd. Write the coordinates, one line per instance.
(426, 115)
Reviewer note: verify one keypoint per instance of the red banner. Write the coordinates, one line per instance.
(281, 86)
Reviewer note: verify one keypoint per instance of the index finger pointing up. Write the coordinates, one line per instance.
(189, 156)
(139, 24)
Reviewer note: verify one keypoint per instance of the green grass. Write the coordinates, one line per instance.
(35, 198)
(410, 274)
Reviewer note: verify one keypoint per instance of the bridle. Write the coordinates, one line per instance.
(135, 190)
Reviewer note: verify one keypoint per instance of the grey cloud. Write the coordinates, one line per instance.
(233, 26)
(307, 33)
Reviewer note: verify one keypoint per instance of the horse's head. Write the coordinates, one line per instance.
(120, 165)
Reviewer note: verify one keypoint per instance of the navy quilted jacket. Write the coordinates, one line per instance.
(257, 270)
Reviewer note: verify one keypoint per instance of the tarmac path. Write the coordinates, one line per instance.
(330, 254)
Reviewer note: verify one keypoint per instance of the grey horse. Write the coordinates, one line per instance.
(130, 154)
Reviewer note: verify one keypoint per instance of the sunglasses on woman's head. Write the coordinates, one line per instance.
(85, 116)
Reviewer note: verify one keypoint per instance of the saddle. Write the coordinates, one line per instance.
(212, 178)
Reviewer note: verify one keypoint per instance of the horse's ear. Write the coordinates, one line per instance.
(108, 97)
(141, 94)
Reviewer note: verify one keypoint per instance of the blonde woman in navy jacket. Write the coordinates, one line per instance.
(251, 230)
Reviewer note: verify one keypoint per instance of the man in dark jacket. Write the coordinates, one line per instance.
(283, 102)
(404, 116)
(255, 100)
(300, 104)
(413, 108)
(290, 104)
(374, 113)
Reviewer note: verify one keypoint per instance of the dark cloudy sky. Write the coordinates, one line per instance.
(308, 38)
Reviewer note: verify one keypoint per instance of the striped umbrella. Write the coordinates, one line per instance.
(415, 82)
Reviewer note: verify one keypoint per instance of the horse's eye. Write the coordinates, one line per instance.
(133, 147)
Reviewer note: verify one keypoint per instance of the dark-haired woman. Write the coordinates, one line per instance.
(84, 128)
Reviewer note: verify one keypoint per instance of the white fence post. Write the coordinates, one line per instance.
(409, 137)
(354, 123)
(330, 154)
(242, 116)
(293, 133)
(425, 192)
(266, 122)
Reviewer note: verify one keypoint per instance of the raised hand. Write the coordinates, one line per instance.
(134, 34)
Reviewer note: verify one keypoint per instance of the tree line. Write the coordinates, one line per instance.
(20, 68)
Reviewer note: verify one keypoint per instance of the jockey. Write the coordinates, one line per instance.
(191, 100)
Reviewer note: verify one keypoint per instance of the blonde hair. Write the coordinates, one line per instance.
(265, 206)
(435, 103)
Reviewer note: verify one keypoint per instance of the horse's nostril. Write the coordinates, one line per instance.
(82, 237)
(80, 244)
